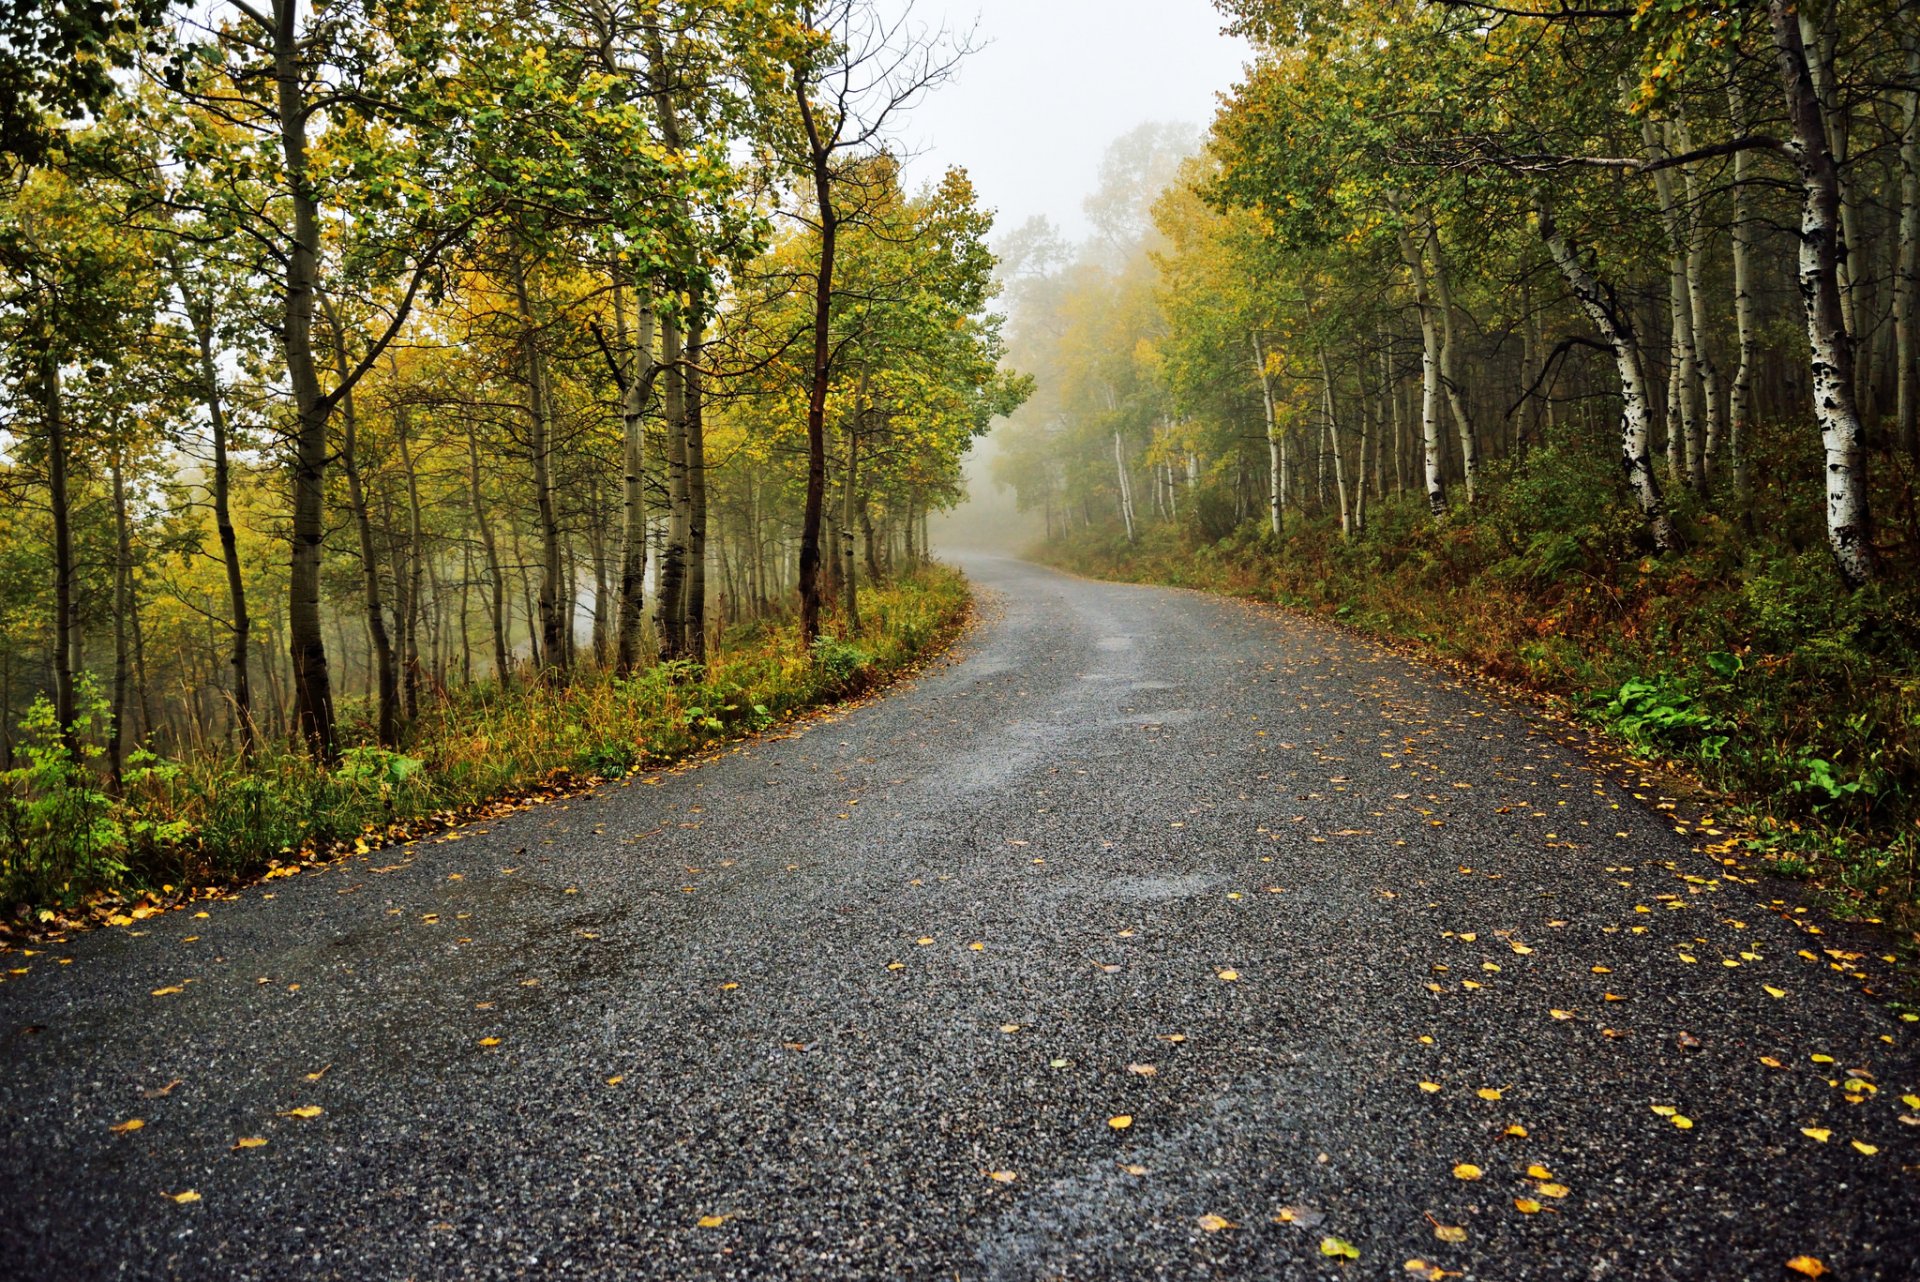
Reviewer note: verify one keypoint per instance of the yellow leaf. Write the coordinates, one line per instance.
(1665, 1110)
(127, 1127)
(729, 986)
(1613, 997)
(1822, 1059)
(924, 940)
(1807, 1266)
(489, 1041)
(1561, 1014)
(1911, 1101)
(184, 1198)
(1526, 1206)
(305, 1110)
(616, 1079)
(1143, 1070)
(1688, 958)
(1009, 1028)
(712, 1221)
(977, 946)
(1538, 1172)
(1120, 1121)
(1864, 1147)
(1682, 1121)
(1518, 1131)
(1466, 1171)
(1820, 1133)
(1603, 970)
(168, 991)
(1488, 1092)
(1134, 1168)
(896, 965)
(1229, 975)
(1554, 1190)
(1003, 1177)
(1774, 992)
(1771, 1062)
(1339, 1248)
(250, 1141)
(1429, 1087)
(1214, 1223)
(1450, 1233)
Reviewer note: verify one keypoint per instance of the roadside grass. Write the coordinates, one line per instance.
(71, 851)
(1741, 659)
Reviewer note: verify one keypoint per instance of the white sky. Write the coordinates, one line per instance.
(1053, 82)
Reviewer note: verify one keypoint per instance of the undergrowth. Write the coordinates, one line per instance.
(67, 841)
(1743, 656)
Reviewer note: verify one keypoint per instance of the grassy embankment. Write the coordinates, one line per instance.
(1742, 658)
(71, 851)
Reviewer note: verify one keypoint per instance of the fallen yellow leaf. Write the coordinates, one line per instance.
(1554, 1190)
(1526, 1206)
(1214, 1223)
(1339, 1248)
(1488, 1092)
(489, 1041)
(712, 1221)
(305, 1110)
(127, 1127)
(1466, 1171)
(1682, 1121)
(1561, 1014)
(1774, 992)
(183, 1198)
(1820, 1133)
(1864, 1147)
(168, 991)
(1134, 1168)
(1229, 975)
(1120, 1121)
(1429, 1087)
(1003, 1177)
(1807, 1265)
(1450, 1233)
(250, 1141)
(1538, 1172)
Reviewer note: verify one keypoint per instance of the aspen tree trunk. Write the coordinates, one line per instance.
(819, 156)
(1817, 52)
(1635, 404)
(848, 571)
(200, 317)
(670, 605)
(387, 717)
(416, 560)
(556, 613)
(1126, 496)
(1683, 408)
(633, 551)
(1415, 262)
(496, 581)
(1705, 370)
(312, 684)
(65, 643)
(122, 606)
(1462, 422)
(1740, 396)
(1843, 436)
(1906, 280)
(694, 613)
(1333, 447)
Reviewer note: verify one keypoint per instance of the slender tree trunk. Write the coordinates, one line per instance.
(1843, 436)
(1126, 490)
(387, 722)
(1413, 257)
(556, 613)
(670, 611)
(1705, 368)
(820, 157)
(313, 686)
(694, 622)
(122, 607)
(1333, 447)
(1740, 396)
(849, 571)
(66, 663)
(1635, 404)
(416, 558)
(1906, 280)
(1683, 403)
(1276, 496)
(496, 581)
(1462, 421)
(633, 550)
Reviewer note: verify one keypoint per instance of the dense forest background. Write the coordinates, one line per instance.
(407, 401)
(1575, 341)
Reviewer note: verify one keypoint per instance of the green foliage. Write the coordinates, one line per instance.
(58, 829)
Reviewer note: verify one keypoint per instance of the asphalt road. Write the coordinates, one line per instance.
(1131, 852)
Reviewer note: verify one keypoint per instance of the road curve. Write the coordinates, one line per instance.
(1132, 852)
